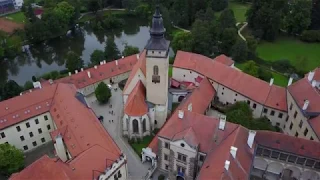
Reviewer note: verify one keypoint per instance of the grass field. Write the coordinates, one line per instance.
(279, 79)
(137, 147)
(293, 50)
(16, 17)
(239, 10)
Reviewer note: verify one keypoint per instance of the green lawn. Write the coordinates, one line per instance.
(239, 10)
(279, 79)
(170, 71)
(293, 50)
(16, 17)
(137, 147)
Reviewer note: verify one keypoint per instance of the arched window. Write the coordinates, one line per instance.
(155, 76)
(144, 125)
(135, 126)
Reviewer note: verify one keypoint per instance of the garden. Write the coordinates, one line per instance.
(138, 144)
(18, 17)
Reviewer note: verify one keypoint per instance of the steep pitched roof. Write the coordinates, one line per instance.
(22, 107)
(187, 135)
(141, 64)
(315, 124)
(224, 60)
(102, 72)
(136, 104)
(301, 91)
(277, 98)
(249, 86)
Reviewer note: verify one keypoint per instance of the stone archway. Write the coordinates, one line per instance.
(135, 126)
(291, 173)
(144, 125)
(309, 175)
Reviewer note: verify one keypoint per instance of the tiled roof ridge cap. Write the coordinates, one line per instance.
(223, 140)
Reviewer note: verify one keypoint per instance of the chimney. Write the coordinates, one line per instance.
(69, 73)
(101, 62)
(20, 94)
(30, 90)
(190, 107)
(226, 165)
(233, 151)
(305, 105)
(104, 62)
(117, 62)
(271, 81)
(76, 71)
(310, 76)
(180, 114)
(251, 136)
(122, 57)
(81, 69)
(96, 67)
(222, 122)
(89, 74)
(290, 81)
(314, 83)
(138, 56)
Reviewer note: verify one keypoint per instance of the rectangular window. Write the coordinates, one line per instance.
(310, 163)
(301, 161)
(287, 118)
(254, 105)
(248, 102)
(182, 157)
(22, 138)
(166, 157)
(265, 110)
(167, 167)
(275, 155)
(300, 124)
(295, 114)
(291, 126)
(48, 126)
(311, 138)
(43, 140)
(181, 169)
(201, 158)
(306, 132)
(3, 135)
(18, 128)
(266, 153)
(25, 147)
(292, 159)
(283, 157)
(259, 151)
(296, 135)
(31, 134)
(166, 145)
(272, 113)
(278, 124)
(291, 106)
(280, 115)
(36, 121)
(34, 143)
(40, 130)
(28, 124)
(46, 117)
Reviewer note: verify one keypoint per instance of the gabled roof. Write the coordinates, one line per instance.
(102, 72)
(224, 60)
(136, 104)
(188, 135)
(277, 98)
(315, 124)
(141, 64)
(301, 91)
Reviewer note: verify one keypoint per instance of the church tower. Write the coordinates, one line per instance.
(157, 65)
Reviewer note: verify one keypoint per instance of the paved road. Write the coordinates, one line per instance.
(136, 169)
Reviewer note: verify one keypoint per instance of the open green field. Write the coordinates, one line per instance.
(239, 10)
(292, 49)
(279, 79)
(16, 17)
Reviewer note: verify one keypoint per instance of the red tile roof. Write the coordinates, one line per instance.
(224, 60)
(136, 104)
(249, 86)
(28, 105)
(290, 144)
(187, 135)
(277, 98)
(316, 74)
(315, 124)
(301, 91)
(141, 64)
(198, 79)
(175, 83)
(102, 72)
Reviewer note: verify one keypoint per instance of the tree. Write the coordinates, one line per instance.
(11, 158)
(264, 17)
(181, 41)
(30, 14)
(111, 51)
(96, 57)
(251, 68)
(130, 50)
(166, 19)
(37, 31)
(103, 93)
(94, 5)
(73, 61)
(65, 12)
(130, 5)
(227, 19)
(239, 51)
(264, 74)
(202, 38)
(179, 13)
(28, 85)
(228, 38)
(10, 90)
(297, 18)
(252, 44)
(315, 15)
(218, 5)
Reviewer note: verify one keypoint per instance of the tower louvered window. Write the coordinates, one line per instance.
(155, 76)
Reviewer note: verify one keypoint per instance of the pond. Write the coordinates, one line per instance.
(51, 55)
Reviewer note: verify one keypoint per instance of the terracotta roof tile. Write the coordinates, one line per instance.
(301, 91)
(316, 74)
(136, 104)
(288, 144)
(141, 64)
(224, 60)
(102, 72)
(187, 135)
(28, 105)
(315, 124)
(238, 81)
(277, 98)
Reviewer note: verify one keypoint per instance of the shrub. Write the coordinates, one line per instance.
(46, 76)
(310, 36)
(161, 177)
(64, 71)
(283, 66)
(28, 85)
(54, 75)
(103, 93)
(264, 74)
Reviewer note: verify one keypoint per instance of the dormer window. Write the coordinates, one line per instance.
(155, 76)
